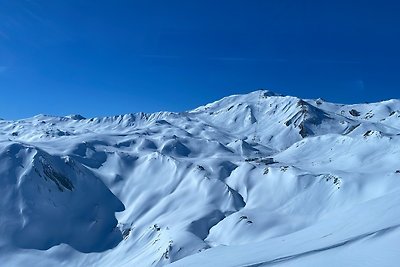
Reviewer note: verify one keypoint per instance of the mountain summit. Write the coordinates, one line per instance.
(259, 179)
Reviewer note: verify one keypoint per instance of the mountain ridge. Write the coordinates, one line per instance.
(256, 93)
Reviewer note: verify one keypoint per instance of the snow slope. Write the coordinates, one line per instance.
(250, 180)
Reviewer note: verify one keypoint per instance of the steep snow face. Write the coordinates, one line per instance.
(45, 202)
(249, 180)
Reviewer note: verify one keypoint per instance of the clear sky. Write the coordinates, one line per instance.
(109, 57)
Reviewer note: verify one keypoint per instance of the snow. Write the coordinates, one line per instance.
(259, 179)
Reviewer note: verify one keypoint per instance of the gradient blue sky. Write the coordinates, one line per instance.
(110, 57)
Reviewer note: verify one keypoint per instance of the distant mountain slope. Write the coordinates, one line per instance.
(250, 180)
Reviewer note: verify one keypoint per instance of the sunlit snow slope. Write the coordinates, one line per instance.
(250, 180)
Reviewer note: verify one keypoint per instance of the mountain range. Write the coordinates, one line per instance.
(250, 180)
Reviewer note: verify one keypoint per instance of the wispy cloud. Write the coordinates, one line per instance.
(3, 69)
(157, 56)
(232, 59)
(3, 35)
(32, 14)
(333, 61)
(285, 60)
(254, 59)
(248, 59)
(359, 84)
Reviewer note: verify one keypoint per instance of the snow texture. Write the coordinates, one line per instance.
(250, 180)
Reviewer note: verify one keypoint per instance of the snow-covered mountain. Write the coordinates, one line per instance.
(250, 180)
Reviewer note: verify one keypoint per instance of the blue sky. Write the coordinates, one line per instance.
(110, 57)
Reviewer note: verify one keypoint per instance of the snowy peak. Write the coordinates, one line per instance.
(265, 115)
(76, 117)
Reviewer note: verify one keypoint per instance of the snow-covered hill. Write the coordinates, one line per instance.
(250, 180)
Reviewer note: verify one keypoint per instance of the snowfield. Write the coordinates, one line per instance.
(250, 180)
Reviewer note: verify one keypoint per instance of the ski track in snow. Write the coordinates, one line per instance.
(311, 252)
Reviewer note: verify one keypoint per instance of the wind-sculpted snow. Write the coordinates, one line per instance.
(48, 200)
(250, 180)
